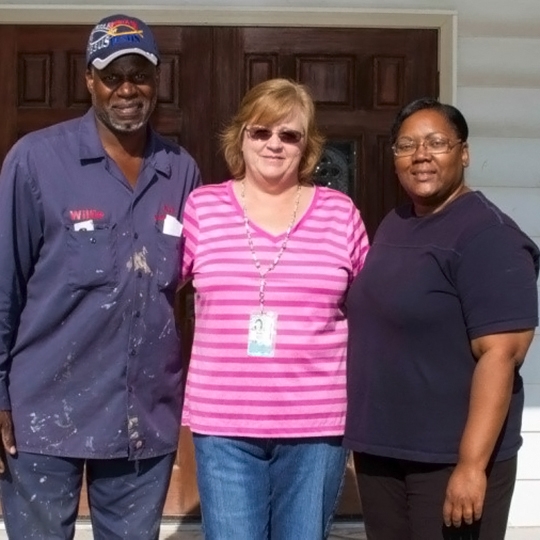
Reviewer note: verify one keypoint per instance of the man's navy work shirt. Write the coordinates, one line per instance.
(90, 360)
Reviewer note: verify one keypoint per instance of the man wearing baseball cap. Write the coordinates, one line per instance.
(90, 366)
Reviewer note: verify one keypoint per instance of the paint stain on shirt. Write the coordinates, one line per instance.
(138, 262)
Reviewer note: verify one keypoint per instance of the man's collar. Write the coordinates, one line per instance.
(91, 148)
(157, 154)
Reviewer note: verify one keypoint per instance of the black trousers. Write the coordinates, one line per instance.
(403, 500)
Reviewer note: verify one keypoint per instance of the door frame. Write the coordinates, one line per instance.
(445, 21)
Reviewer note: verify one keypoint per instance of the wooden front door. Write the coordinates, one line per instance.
(359, 79)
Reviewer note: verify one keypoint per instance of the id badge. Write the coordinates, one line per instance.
(262, 334)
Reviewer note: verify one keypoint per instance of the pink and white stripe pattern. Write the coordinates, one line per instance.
(300, 392)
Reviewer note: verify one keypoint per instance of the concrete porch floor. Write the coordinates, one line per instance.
(342, 530)
(192, 531)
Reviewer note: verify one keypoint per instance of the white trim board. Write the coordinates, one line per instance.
(443, 20)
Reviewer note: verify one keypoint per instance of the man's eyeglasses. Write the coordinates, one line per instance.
(433, 145)
(286, 136)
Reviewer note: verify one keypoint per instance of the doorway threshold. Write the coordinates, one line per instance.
(178, 529)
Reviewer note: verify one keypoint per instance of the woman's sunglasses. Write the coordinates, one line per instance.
(286, 136)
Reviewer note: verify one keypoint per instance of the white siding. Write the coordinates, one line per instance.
(498, 79)
(501, 112)
(528, 458)
(503, 162)
(530, 372)
(524, 511)
(531, 417)
(496, 62)
(521, 203)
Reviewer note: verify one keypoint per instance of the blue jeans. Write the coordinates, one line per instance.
(262, 489)
(40, 496)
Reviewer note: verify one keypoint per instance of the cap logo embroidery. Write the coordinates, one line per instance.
(120, 35)
(120, 31)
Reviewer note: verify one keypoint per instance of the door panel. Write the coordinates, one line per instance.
(359, 79)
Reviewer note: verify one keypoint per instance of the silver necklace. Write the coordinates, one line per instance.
(277, 258)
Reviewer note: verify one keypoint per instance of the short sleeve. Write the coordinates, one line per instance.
(358, 241)
(190, 233)
(496, 282)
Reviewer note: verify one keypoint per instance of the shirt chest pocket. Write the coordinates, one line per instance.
(91, 257)
(168, 264)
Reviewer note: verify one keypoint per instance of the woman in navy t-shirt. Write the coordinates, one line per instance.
(440, 320)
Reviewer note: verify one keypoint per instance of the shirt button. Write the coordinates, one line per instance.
(136, 235)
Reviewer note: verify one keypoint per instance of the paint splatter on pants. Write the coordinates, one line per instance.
(40, 496)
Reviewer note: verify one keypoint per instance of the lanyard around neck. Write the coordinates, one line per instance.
(277, 258)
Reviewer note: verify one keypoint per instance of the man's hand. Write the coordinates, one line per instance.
(465, 494)
(7, 438)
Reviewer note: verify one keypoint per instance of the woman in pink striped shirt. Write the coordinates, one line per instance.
(271, 257)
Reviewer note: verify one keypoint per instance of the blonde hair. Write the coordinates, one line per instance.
(266, 104)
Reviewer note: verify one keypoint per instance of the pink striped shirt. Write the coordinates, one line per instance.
(300, 392)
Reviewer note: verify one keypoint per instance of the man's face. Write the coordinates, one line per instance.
(124, 94)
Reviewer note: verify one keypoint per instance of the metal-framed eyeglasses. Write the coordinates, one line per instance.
(286, 136)
(433, 145)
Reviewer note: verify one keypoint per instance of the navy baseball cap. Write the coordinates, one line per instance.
(117, 35)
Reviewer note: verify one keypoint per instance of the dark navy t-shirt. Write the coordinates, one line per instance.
(431, 284)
